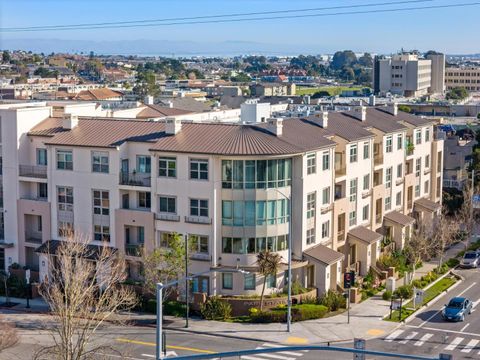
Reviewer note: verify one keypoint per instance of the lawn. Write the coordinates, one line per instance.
(332, 90)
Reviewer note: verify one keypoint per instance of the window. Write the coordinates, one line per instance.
(418, 164)
(311, 236)
(227, 281)
(353, 153)
(326, 196)
(426, 186)
(144, 200)
(311, 200)
(144, 164)
(399, 198)
(199, 169)
(427, 161)
(238, 213)
(439, 161)
(271, 212)
(64, 160)
(311, 163)
(42, 190)
(389, 144)
(65, 198)
(427, 134)
(399, 170)
(352, 218)
(353, 190)
(141, 234)
(168, 204)
(227, 212)
(101, 202)
(417, 190)
(167, 167)
(326, 229)
(198, 207)
(399, 141)
(271, 281)
(365, 212)
(100, 162)
(388, 203)
(366, 150)
(42, 157)
(101, 233)
(198, 243)
(366, 182)
(418, 137)
(165, 239)
(326, 160)
(388, 178)
(249, 282)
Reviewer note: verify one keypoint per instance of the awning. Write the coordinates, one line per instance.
(92, 252)
(427, 204)
(365, 235)
(399, 218)
(324, 254)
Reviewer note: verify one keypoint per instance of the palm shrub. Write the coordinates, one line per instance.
(216, 309)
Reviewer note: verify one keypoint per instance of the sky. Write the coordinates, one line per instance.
(451, 30)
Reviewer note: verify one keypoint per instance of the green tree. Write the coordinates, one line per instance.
(366, 60)
(405, 108)
(341, 59)
(241, 77)
(146, 84)
(6, 56)
(268, 265)
(45, 73)
(458, 93)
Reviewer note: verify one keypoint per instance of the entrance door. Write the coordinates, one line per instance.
(311, 276)
(125, 167)
(201, 285)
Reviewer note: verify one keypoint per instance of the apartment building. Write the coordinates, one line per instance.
(353, 178)
(408, 75)
(277, 89)
(467, 77)
(457, 160)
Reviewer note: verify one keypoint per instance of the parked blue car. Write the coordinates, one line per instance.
(457, 309)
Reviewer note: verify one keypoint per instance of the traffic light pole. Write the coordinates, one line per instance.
(348, 306)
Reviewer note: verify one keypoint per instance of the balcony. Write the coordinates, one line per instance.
(167, 217)
(378, 218)
(33, 198)
(340, 166)
(326, 209)
(135, 179)
(341, 235)
(134, 249)
(367, 193)
(34, 171)
(33, 238)
(198, 220)
(378, 160)
(399, 181)
(409, 204)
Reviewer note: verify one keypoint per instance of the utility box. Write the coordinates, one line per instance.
(390, 284)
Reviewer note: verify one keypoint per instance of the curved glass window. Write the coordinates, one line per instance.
(256, 174)
(254, 213)
(254, 245)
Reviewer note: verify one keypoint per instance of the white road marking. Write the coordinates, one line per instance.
(408, 337)
(463, 328)
(275, 356)
(468, 288)
(422, 340)
(284, 352)
(251, 357)
(393, 335)
(454, 344)
(444, 330)
(149, 356)
(470, 345)
(475, 303)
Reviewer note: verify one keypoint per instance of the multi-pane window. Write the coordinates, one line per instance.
(426, 186)
(168, 204)
(311, 163)
(42, 190)
(399, 198)
(399, 141)
(101, 202)
(254, 245)
(271, 281)
(353, 190)
(100, 162)
(144, 200)
(311, 200)
(389, 144)
(227, 281)
(366, 182)
(427, 161)
(199, 169)
(199, 207)
(198, 243)
(427, 134)
(64, 160)
(167, 167)
(326, 196)
(399, 170)
(311, 236)
(353, 153)
(249, 281)
(388, 203)
(418, 164)
(352, 218)
(366, 150)
(326, 229)
(417, 190)
(388, 177)
(418, 137)
(65, 198)
(251, 213)
(144, 164)
(101, 232)
(166, 239)
(365, 212)
(326, 160)
(42, 157)
(251, 174)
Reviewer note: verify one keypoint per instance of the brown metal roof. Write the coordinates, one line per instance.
(98, 94)
(151, 111)
(48, 127)
(344, 126)
(366, 235)
(427, 204)
(399, 218)
(324, 254)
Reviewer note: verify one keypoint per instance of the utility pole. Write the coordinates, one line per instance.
(186, 281)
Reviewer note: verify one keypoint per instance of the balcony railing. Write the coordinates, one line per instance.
(133, 249)
(378, 218)
(167, 217)
(135, 179)
(378, 159)
(35, 171)
(33, 198)
(409, 204)
(198, 220)
(33, 238)
(341, 235)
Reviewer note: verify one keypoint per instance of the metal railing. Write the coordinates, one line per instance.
(198, 220)
(133, 249)
(340, 235)
(33, 238)
(378, 218)
(167, 217)
(135, 179)
(36, 171)
(33, 198)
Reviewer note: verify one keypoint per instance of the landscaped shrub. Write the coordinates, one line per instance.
(297, 288)
(417, 283)
(173, 308)
(387, 295)
(332, 300)
(404, 292)
(216, 309)
(452, 262)
(299, 313)
(309, 300)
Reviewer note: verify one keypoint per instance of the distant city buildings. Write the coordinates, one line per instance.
(466, 77)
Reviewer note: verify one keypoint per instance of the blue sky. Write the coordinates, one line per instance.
(453, 30)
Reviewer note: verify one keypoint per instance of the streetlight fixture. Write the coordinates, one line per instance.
(160, 288)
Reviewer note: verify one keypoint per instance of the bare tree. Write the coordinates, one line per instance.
(83, 290)
(465, 215)
(268, 265)
(417, 248)
(8, 335)
(443, 234)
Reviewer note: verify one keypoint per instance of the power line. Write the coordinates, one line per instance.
(114, 23)
(257, 18)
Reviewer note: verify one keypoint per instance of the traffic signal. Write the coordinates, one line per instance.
(348, 279)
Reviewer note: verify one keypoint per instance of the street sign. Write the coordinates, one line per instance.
(396, 304)
(419, 293)
(360, 345)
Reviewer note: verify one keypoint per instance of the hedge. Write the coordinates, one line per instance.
(299, 313)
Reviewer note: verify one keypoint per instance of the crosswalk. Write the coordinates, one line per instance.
(280, 355)
(450, 343)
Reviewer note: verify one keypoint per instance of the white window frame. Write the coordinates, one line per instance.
(353, 158)
(311, 163)
(389, 144)
(99, 165)
(166, 168)
(311, 204)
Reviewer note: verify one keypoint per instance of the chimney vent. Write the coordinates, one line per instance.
(275, 126)
(173, 125)
(321, 118)
(360, 112)
(148, 100)
(372, 100)
(392, 108)
(70, 121)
